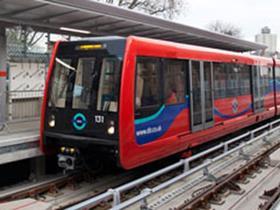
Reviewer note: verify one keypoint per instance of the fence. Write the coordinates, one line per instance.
(23, 105)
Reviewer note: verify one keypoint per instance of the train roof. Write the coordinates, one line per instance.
(243, 57)
(104, 38)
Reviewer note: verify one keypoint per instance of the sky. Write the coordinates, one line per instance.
(249, 15)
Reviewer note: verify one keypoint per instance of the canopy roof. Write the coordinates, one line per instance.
(91, 18)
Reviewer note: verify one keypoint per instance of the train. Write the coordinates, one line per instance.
(136, 100)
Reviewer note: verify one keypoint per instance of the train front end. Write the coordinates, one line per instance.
(81, 101)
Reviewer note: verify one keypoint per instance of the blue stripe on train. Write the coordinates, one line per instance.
(150, 128)
(230, 116)
(153, 127)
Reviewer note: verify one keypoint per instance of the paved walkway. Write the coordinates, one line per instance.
(21, 126)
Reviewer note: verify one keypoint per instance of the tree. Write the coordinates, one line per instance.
(225, 28)
(23, 36)
(168, 9)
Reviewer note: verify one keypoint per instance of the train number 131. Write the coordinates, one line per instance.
(99, 119)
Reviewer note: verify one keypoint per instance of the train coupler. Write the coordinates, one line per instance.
(69, 159)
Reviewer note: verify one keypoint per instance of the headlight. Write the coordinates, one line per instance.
(52, 121)
(111, 130)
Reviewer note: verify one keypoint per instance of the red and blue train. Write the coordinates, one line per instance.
(136, 100)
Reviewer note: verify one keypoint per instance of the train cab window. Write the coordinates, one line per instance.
(174, 82)
(147, 83)
(107, 99)
(83, 83)
(59, 83)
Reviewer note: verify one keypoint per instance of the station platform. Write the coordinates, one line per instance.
(19, 141)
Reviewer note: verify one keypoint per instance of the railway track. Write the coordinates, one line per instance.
(65, 190)
(75, 189)
(196, 186)
(228, 182)
(33, 189)
(61, 191)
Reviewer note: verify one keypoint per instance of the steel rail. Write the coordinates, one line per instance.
(35, 189)
(269, 204)
(207, 195)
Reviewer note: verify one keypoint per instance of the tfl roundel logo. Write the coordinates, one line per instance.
(234, 105)
(79, 121)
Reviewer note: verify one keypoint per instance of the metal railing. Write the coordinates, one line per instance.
(115, 194)
(23, 105)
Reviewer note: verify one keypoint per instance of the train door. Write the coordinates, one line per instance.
(201, 95)
(257, 90)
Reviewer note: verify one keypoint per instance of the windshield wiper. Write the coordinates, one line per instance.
(65, 64)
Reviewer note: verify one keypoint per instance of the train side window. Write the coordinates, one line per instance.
(174, 82)
(244, 79)
(232, 88)
(147, 83)
(270, 80)
(277, 78)
(220, 80)
(264, 80)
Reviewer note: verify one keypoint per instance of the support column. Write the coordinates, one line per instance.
(3, 74)
(38, 168)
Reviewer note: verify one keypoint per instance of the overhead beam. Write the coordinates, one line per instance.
(121, 28)
(149, 32)
(135, 31)
(45, 27)
(52, 16)
(17, 12)
(95, 26)
(82, 20)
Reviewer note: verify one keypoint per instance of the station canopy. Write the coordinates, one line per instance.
(87, 18)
